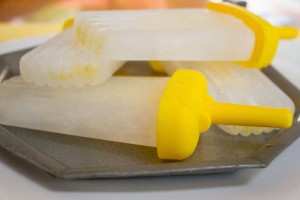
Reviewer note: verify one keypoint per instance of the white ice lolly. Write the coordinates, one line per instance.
(62, 61)
(228, 82)
(122, 109)
(169, 113)
(175, 34)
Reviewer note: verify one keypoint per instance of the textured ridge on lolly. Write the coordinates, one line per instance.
(174, 34)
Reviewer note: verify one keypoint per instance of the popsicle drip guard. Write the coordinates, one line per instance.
(266, 36)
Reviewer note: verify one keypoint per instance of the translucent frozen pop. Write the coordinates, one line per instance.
(220, 32)
(229, 82)
(119, 110)
(175, 34)
(62, 61)
(163, 112)
(99, 42)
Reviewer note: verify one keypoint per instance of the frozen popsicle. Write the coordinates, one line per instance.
(62, 61)
(151, 111)
(220, 32)
(229, 82)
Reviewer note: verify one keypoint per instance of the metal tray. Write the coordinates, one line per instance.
(71, 157)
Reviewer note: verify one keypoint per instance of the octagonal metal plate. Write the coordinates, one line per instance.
(72, 157)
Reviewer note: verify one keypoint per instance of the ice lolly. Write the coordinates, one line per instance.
(221, 32)
(152, 111)
(229, 82)
(62, 61)
(175, 34)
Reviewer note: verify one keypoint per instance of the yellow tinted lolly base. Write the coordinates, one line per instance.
(186, 110)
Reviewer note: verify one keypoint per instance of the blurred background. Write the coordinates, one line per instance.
(59, 10)
(47, 16)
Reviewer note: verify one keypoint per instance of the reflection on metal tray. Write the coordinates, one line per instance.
(73, 157)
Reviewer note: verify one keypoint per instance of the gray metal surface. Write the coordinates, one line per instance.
(73, 157)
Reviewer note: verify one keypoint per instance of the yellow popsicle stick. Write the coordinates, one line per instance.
(233, 114)
(186, 110)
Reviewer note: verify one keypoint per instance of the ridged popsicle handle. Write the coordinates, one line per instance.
(287, 32)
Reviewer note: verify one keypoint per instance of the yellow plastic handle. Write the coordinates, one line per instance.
(286, 32)
(186, 110)
(225, 113)
(266, 36)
